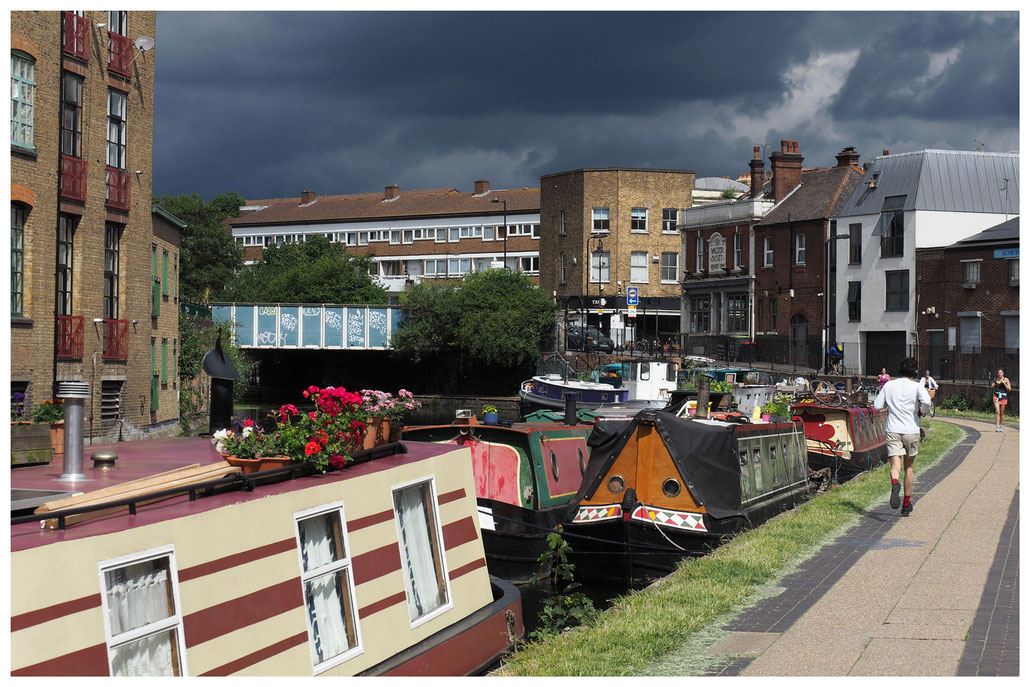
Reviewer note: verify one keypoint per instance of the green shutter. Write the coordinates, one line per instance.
(164, 361)
(155, 307)
(176, 276)
(153, 376)
(175, 372)
(164, 273)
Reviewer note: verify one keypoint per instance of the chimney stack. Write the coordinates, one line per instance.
(886, 152)
(392, 191)
(306, 197)
(757, 165)
(482, 187)
(847, 157)
(786, 169)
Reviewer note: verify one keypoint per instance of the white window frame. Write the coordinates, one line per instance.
(489, 232)
(599, 260)
(1013, 270)
(603, 215)
(533, 262)
(363, 238)
(395, 237)
(675, 267)
(800, 241)
(172, 622)
(564, 223)
(965, 271)
(445, 571)
(453, 234)
(564, 267)
(767, 251)
(634, 269)
(669, 223)
(407, 236)
(328, 569)
(699, 249)
(637, 215)
(738, 251)
(117, 117)
(459, 272)
(435, 272)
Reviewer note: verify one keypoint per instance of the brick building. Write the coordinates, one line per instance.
(410, 235)
(81, 169)
(606, 230)
(967, 305)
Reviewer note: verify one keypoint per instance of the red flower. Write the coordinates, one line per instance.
(312, 448)
(313, 415)
(248, 422)
(337, 462)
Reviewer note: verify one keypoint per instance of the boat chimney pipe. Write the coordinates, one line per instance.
(702, 397)
(74, 394)
(570, 407)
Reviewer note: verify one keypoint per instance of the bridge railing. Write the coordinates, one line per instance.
(294, 325)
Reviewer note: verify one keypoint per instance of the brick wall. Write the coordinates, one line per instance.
(776, 282)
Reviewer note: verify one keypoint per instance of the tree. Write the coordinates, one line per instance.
(196, 338)
(208, 255)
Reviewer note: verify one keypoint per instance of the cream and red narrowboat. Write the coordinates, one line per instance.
(847, 439)
(375, 569)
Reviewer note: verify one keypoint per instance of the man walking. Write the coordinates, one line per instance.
(906, 400)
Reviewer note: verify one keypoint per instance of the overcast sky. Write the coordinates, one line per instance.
(269, 104)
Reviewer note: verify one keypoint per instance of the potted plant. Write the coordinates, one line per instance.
(323, 437)
(490, 414)
(777, 410)
(31, 444)
(385, 414)
(246, 446)
(51, 413)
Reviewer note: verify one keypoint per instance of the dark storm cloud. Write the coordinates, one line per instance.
(269, 104)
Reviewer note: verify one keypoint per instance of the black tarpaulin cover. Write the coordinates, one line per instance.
(704, 453)
(217, 364)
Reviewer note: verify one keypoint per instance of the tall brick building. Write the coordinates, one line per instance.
(606, 230)
(83, 249)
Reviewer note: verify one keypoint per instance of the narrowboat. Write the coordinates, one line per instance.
(525, 475)
(847, 439)
(374, 569)
(552, 390)
(660, 487)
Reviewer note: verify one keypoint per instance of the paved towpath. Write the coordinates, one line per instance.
(933, 594)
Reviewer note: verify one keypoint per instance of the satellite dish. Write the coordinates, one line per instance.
(144, 43)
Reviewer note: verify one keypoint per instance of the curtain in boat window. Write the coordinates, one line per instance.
(420, 553)
(326, 596)
(139, 595)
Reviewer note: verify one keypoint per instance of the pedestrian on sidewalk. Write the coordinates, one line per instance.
(1002, 387)
(906, 401)
(884, 377)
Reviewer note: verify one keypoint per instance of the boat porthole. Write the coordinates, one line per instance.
(616, 484)
(582, 462)
(554, 466)
(671, 488)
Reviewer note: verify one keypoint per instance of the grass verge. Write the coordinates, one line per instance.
(644, 627)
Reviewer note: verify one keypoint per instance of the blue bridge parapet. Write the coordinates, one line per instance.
(290, 325)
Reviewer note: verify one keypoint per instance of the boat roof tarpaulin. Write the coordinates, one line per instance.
(704, 453)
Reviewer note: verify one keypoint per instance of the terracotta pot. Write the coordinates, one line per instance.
(249, 465)
(377, 431)
(57, 438)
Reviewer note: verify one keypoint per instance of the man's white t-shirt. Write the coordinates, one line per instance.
(903, 398)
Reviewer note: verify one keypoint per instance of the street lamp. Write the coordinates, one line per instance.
(505, 202)
(826, 294)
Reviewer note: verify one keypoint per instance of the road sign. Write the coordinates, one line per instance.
(631, 311)
(632, 295)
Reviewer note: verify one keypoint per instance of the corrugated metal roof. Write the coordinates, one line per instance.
(940, 180)
(1006, 232)
(718, 184)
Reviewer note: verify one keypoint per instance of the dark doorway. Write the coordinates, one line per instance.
(884, 349)
(799, 340)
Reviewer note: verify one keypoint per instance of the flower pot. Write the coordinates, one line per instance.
(57, 439)
(249, 465)
(377, 432)
(30, 444)
(490, 418)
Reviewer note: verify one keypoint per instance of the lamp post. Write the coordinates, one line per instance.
(600, 286)
(826, 294)
(505, 202)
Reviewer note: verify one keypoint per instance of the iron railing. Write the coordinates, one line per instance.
(116, 339)
(70, 330)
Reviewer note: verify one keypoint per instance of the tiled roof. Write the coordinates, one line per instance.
(821, 195)
(364, 206)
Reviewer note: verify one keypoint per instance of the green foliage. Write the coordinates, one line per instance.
(315, 271)
(208, 256)
(720, 386)
(489, 409)
(779, 405)
(196, 338)
(563, 607)
(47, 412)
(956, 403)
(495, 317)
(728, 193)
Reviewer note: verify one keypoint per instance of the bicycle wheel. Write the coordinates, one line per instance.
(826, 393)
(932, 409)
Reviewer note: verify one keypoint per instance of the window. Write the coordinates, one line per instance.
(164, 273)
(1011, 330)
(897, 290)
(670, 267)
(17, 259)
(71, 115)
(155, 305)
(65, 246)
(891, 227)
(436, 268)
(459, 266)
(112, 248)
(736, 313)
(535, 232)
(395, 237)
(154, 388)
(564, 224)
(799, 248)
(23, 97)
(488, 233)
(1014, 271)
(767, 244)
(116, 129)
(638, 267)
(116, 22)
(638, 220)
(700, 314)
(669, 216)
(422, 561)
(529, 264)
(362, 238)
(854, 301)
(453, 234)
(773, 305)
(599, 261)
(143, 615)
(564, 266)
(699, 253)
(738, 251)
(328, 586)
(601, 220)
(969, 332)
(164, 362)
(971, 271)
(855, 244)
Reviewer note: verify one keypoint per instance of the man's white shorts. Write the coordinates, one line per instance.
(902, 444)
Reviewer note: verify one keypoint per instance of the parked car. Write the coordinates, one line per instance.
(597, 341)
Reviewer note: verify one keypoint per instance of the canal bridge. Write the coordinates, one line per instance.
(310, 326)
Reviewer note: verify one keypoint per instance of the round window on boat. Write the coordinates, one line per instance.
(616, 484)
(582, 462)
(671, 488)
(554, 466)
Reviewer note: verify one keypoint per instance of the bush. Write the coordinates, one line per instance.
(47, 412)
(960, 403)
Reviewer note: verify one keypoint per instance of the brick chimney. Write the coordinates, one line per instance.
(847, 157)
(392, 191)
(482, 187)
(786, 169)
(757, 165)
(886, 152)
(306, 197)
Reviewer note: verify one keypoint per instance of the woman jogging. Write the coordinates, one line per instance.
(1002, 387)
(930, 384)
(884, 377)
